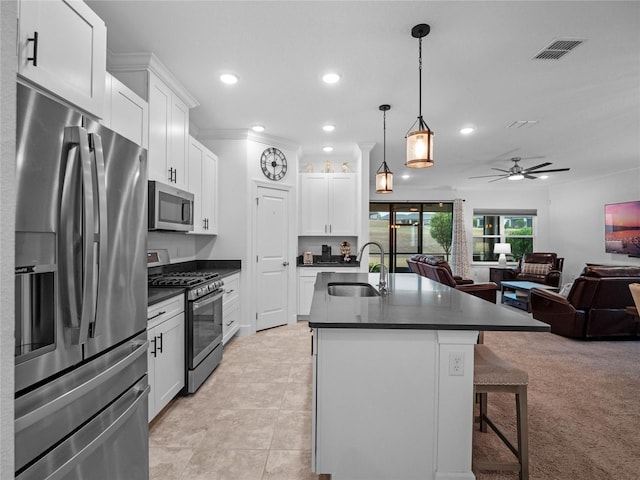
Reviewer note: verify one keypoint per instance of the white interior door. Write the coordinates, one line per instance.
(272, 245)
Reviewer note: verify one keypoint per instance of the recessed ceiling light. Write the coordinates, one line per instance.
(327, 149)
(229, 78)
(331, 77)
(405, 176)
(467, 130)
(328, 127)
(257, 128)
(544, 177)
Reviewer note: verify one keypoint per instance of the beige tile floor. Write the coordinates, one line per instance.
(250, 420)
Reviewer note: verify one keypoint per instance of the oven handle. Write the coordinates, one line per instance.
(212, 297)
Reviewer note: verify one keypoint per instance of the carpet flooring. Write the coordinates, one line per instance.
(252, 418)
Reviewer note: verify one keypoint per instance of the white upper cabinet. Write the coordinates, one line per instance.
(203, 183)
(168, 133)
(328, 204)
(169, 105)
(62, 47)
(125, 112)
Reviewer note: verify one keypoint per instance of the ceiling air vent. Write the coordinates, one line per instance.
(557, 49)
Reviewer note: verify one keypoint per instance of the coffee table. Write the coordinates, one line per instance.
(518, 294)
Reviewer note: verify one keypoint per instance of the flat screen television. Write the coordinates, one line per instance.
(622, 228)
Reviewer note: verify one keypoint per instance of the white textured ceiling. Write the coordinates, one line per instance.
(478, 70)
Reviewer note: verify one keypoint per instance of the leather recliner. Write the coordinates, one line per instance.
(595, 307)
(538, 267)
(436, 270)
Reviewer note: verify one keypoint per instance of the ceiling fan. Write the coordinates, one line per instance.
(516, 172)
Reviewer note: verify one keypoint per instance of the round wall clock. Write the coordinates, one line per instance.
(273, 163)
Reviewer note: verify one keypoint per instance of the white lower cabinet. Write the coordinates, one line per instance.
(166, 370)
(306, 283)
(231, 307)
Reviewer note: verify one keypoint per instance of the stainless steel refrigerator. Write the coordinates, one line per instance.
(80, 359)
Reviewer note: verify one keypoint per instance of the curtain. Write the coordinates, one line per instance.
(460, 258)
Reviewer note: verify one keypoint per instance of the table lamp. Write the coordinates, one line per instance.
(502, 249)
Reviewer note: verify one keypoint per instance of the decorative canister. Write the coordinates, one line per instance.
(345, 249)
(307, 258)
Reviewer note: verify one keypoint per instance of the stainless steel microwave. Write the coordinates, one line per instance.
(170, 208)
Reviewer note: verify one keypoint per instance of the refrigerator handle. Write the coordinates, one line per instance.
(78, 306)
(101, 233)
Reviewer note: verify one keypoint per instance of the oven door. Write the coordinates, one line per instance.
(204, 327)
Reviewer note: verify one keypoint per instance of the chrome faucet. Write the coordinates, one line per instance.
(382, 283)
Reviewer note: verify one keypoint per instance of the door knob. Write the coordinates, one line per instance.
(285, 264)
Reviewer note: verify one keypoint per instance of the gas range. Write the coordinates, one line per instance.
(198, 284)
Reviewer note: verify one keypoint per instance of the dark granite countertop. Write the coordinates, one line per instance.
(335, 261)
(158, 294)
(413, 302)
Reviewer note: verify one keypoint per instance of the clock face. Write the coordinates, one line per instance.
(273, 163)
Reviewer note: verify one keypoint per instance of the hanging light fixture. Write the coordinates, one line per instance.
(420, 141)
(384, 177)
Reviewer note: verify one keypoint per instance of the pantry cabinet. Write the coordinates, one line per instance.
(125, 112)
(230, 307)
(62, 47)
(166, 365)
(203, 183)
(328, 204)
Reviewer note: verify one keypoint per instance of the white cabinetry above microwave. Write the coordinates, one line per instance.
(169, 105)
(328, 204)
(203, 183)
(62, 47)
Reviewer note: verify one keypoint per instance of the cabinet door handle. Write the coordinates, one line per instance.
(230, 323)
(153, 352)
(34, 59)
(160, 347)
(329, 228)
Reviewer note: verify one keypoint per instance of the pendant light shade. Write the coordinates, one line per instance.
(420, 141)
(384, 177)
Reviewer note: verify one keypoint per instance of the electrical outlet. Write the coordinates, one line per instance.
(456, 363)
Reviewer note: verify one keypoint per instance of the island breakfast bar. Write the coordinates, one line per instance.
(393, 376)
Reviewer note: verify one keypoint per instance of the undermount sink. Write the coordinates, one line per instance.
(352, 290)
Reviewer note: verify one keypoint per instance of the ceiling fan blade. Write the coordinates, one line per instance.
(530, 177)
(501, 178)
(554, 170)
(485, 176)
(537, 166)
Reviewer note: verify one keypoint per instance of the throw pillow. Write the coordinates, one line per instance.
(536, 268)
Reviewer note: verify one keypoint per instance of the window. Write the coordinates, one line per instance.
(516, 227)
(405, 229)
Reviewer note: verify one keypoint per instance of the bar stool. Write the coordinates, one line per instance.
(493, 374)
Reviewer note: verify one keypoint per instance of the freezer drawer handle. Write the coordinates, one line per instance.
(63, 470)
(34, 59)
(34, 416)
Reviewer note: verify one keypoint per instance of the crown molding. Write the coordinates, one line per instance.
(146, 61)
(246, 134)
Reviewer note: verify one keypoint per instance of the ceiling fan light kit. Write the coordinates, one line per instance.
(420, 141)
(384, 176)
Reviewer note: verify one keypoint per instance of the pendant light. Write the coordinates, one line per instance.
(384, 177)
(420, 141)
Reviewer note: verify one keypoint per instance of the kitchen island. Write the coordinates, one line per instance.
(393, 376)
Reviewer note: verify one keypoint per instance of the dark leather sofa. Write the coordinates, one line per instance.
(440, 271)
(538, 267)
(595, 307)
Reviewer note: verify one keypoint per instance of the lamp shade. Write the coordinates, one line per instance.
(502, 248)
(420, 148)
